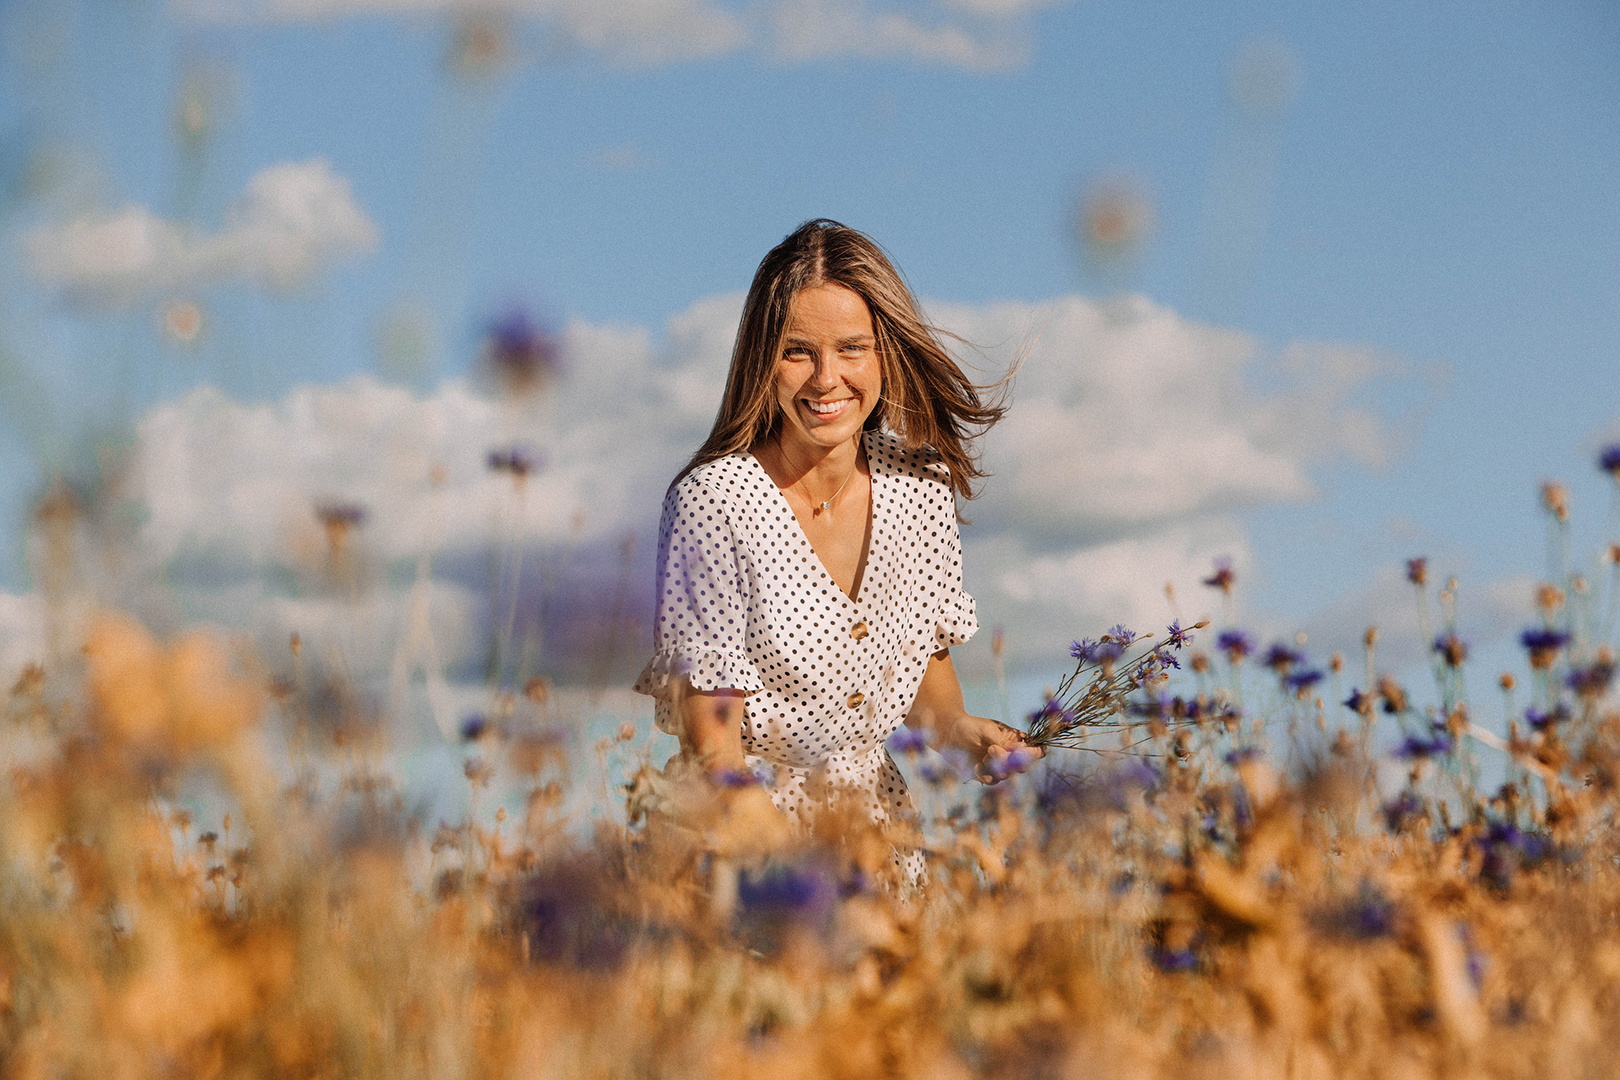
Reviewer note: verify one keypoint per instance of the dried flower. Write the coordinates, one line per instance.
(1417, 571)
(1452, 649)
(1555, 497)
(1223, 577)
(1280, 658)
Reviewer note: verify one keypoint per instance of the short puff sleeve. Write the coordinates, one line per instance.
(701, 626)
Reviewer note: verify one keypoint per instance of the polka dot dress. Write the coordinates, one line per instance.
(745, 603)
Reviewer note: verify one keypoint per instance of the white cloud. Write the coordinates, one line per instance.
(636, 32)
(1135, 439)
(293, 220)
(969, 34)
(802, 30)
(1126, 416)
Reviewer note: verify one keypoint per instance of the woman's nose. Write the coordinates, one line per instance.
(822, 378)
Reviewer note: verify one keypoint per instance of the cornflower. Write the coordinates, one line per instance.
(1417, 570)
(1543, 645)
(1235, 644)
(1453, 648)
(1300, 682)
(1609, 460)
(1223, 577)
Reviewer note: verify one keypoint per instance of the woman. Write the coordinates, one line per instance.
(809, 568)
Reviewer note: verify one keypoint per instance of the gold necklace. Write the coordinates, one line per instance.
(827, 504)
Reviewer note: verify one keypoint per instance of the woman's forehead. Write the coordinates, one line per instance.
(828, 307)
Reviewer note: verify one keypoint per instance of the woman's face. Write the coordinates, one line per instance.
(827, 377)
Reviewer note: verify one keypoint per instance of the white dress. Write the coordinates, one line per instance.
(745, 603)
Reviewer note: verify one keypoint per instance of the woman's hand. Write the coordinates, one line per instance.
(996, 750)
(711, 728)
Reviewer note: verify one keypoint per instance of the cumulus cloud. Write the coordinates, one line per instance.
(1135, 440)
(293, 220)
(802, 30)
(1126, 416)
(968, 34)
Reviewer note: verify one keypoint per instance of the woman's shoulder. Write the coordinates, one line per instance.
(917, 463)
(720, 482)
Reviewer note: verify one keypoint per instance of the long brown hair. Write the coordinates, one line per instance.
(926, 400)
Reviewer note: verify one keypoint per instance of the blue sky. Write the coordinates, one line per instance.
(1437, 192)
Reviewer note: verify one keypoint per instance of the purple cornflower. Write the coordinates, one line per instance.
(1223, 577)
(1609, 460)
(1453, 648)
(1417, 747)
(1403, 808)
(340, 517)
(1300, 682)
(1358, 702)
(1537, 638)
(1171, 961)
(1366, 916)
(1541, 720)
(1235, 644)
(1543, 644)
(1175, 636)
(1122, 635)
(1107, 652)
(1084, 650)
(520, 352)
(735, 778)
(1243, 754)
(1016, 761)
(1053, 715)
(1417, 570)
(518, 459)
(1280, 657)
(787, 890)
(1594, 679)
(474, 727)
(908, 740)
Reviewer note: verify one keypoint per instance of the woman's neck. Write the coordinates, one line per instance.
(819, 467)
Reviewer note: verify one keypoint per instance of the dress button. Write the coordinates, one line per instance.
(858, 631)
(855, 700)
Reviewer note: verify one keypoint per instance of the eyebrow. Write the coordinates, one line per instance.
(856, 339)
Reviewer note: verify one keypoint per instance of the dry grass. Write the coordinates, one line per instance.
(1196, 923)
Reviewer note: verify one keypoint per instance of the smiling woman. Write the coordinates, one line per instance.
(809, 567)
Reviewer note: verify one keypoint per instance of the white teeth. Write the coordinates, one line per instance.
(824, 408)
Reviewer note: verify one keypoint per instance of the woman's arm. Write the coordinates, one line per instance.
(940, 711)
(711, 732)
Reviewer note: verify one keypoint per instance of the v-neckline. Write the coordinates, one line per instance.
(864, 567)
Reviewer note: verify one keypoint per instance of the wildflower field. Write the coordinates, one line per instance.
(1210, 875)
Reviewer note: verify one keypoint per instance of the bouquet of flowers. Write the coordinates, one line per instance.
(1104, 691)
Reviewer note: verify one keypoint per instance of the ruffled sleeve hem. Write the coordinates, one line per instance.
(956, 622)
(704, 670)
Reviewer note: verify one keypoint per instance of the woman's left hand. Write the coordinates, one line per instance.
(997, 751)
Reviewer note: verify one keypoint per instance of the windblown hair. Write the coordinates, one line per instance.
(926, 400)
